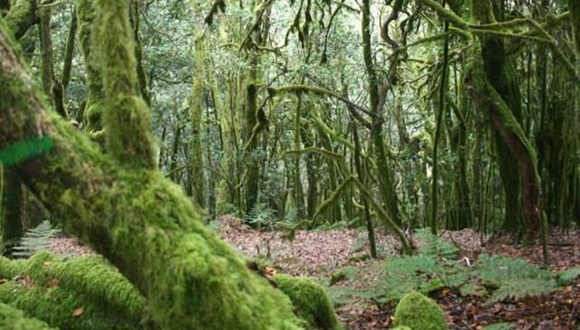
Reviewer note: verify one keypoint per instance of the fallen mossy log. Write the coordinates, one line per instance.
(14, 319)
(83, 293)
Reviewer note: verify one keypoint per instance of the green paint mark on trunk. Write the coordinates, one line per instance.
(22, 151)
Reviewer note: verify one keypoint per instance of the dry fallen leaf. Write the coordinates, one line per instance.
(78, 312)
(53, 283)
(269, 272)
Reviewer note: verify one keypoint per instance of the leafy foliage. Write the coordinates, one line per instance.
(261, 216)
(496, 277)
(35, 239)
(435, 246)
(513, 278)
(567, 276)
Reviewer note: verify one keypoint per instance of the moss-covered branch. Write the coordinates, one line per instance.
(326, 92)
(138, 220)
(126, 115)
(21, 17)
(445, 13)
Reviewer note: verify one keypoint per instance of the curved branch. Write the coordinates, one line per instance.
(321, 91)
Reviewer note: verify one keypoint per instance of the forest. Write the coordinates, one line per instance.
(290, 164)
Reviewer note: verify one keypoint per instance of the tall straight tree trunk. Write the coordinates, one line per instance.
(196, 108)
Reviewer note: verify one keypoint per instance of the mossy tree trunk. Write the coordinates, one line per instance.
(50, 84)
(385, 173)
(196, 108)
(22, 15)
(11, 207)
(497, 91)
(92, 112)
(574, 7)
(122, 206)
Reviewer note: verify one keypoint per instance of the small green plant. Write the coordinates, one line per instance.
(261, 216)
(433, 245)
(512, 278)
(568, 276)
(34, 240)
(436, 266)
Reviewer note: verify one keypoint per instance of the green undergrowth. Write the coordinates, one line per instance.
(82, 293)
(437, 266)
(34, 240)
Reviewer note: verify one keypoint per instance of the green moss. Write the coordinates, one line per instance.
(126, 116)
(142, 223)
(94, 115)
(574, 7)
(21, 17)
(401, 328)
(417, 311)
(51, 289)
(14, 319)
(95, 101)
(310, 301)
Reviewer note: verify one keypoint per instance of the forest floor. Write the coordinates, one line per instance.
(320, 254)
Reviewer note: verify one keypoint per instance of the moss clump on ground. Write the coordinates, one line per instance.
(14, 319)
(310, 302)
(417, 311)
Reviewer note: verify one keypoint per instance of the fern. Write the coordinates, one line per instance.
(434, 245)
(495, 277)
(496, 270)
(520, 288)
(261, 216)
(415, 273)
(568, 276)
(34, 240)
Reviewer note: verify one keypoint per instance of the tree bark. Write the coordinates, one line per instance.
(134, 217)
(496, 90)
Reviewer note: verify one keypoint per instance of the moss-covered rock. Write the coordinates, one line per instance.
(310, 301)
(417, 311)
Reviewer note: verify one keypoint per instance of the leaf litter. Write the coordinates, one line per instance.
(321, 254)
